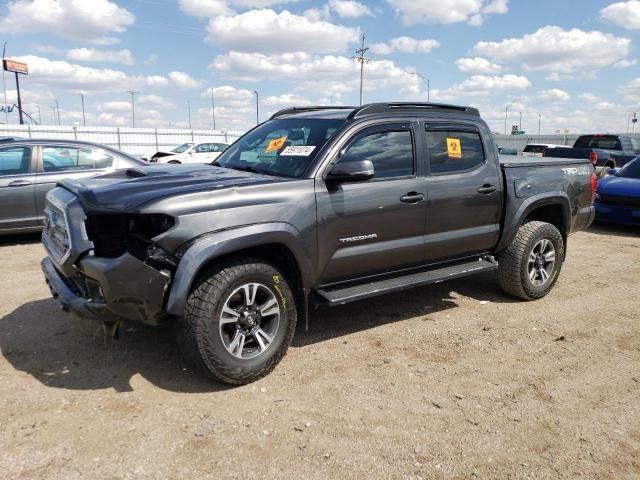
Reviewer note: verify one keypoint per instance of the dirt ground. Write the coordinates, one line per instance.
(452, 381)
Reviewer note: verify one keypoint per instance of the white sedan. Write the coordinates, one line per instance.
(191, 153)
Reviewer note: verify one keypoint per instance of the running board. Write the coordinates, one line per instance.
(339, 296)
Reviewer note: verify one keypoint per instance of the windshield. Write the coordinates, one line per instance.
(182, 148)
(635, 144)
(284, 147)
(631, 169)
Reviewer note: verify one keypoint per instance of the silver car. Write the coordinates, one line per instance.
(29, 168)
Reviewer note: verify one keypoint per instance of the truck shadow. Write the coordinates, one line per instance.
(62, 351)
(20, 239)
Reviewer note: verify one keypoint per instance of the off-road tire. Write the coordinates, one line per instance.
(513, 274)
(198, 331)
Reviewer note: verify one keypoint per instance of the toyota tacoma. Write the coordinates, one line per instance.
(317, 205)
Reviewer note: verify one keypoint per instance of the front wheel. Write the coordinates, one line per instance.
(239, 322)
(530, 266)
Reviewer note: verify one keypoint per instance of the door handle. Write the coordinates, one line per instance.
(19, 183)
(412, 197)
(487, 189)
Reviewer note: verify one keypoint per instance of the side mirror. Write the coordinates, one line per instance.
(354, 171)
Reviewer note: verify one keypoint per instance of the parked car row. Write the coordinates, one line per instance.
(204, 152)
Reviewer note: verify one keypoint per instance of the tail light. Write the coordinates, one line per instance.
(593, 157)
(594, 187)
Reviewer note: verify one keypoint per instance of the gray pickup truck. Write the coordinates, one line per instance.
(318, 205)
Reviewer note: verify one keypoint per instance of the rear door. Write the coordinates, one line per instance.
(57, 162)
(17, 189)
(377, 226)
(464, 190)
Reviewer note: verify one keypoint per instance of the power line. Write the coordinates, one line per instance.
(361, 59)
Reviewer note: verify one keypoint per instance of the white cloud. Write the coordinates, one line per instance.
(157, 101)
(92, 21)
(156, 81)
(554, 95)
(322, 13)
(405, 45)
(623, 14)
(286, 100)
(631, 90)
(553, 49)
(183, 80)
(483, 85)
(115, 107)
(266, 31)
(335, 75)
(349, 8)
(93, 55)
(625, 63)
(447, 11)
(215, 8)
(477, 65)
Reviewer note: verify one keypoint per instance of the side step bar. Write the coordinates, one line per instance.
(341, 295)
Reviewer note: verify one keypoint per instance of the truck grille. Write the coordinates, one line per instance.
(56, 231)
(619, 200)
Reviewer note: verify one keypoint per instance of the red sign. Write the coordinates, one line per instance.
(18, 67)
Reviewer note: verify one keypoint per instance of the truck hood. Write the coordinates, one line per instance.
(127, 190)
(619, 186)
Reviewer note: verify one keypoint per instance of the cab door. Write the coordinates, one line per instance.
(375, 226)
(17, 189)
(464, 191)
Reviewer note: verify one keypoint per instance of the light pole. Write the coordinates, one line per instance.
(257, 107)
(189, 112)
(133, 108)
(539, 122)
(39, 116)
(4, 86)
(425, 80)
(84, 119)
(506, 112)
(58, 111)
(213, 109)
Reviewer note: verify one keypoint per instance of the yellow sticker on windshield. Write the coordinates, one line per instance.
(275, 144)
(454, 149)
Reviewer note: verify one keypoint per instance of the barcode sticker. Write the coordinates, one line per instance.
(298, 150)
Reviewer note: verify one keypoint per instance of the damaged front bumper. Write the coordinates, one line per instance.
(110, 289)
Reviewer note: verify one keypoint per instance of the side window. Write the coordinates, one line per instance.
(204, 148)
(452, 151)
(62, 159)
(220, 147)
(391, 153)
(14, 160)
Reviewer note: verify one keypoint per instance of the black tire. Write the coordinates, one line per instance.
(199, 332)
(513, 270)
(174, 162)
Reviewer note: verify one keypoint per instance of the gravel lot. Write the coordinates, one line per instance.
(452, 381)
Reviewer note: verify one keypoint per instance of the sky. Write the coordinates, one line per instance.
(561, 65)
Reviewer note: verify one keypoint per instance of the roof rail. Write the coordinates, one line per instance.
(10, 139)
(374, 108)
(290, 110)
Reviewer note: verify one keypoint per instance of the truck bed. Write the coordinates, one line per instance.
(513, 161)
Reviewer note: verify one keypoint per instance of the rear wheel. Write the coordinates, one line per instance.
(530, 266)
(174, 162)
(239, 322)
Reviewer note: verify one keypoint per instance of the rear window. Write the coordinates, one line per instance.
(452, 151)
(534, 148)
(606, 142)
(14, 160)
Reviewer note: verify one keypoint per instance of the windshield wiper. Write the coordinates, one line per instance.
(247, 168)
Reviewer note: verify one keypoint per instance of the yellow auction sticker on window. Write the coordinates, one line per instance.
(275, 144)
(454, 149)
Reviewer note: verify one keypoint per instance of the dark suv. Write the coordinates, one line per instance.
(320, 205)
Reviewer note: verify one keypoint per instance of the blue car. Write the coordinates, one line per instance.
(618, 196)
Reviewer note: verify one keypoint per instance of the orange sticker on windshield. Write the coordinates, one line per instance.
(454, 149)
(275, 144)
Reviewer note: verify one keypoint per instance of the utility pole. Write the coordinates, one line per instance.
(520, 122)
(84, 119)
(39, 115)
(133, 108)
(58, 111)
(257, 107)
(361, 59)
(506, 112)
(189, 110)
(4, 86)
(213, 109)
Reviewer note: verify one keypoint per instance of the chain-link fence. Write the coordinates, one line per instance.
(135, 141)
